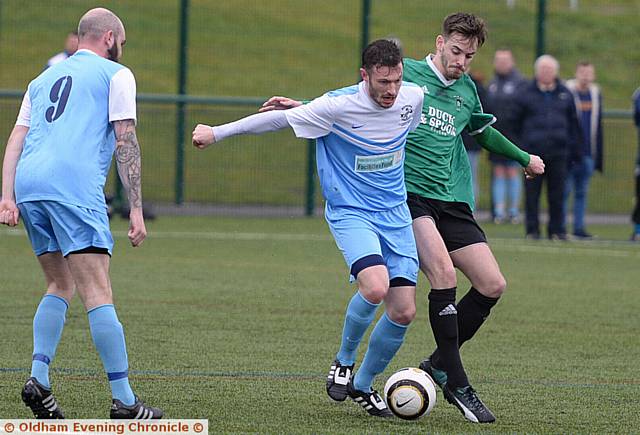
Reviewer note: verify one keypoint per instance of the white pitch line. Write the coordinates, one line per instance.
(591, 249)
(207, 235)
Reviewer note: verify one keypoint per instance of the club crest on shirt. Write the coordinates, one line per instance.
(459, 101)
(405, 114)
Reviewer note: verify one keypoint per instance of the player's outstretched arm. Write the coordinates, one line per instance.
(9, 213)
(535, 167)
(129, 170)
(279, 103)
(205, 135)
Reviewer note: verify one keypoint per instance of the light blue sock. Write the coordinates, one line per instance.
(514, 187)
(360, 314)
(385, 340)
(48, 323)
(499, 190)
(108, 337)
(637, 228)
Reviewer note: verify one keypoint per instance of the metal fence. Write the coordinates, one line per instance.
(215, 61)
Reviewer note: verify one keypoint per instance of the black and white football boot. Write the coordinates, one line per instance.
(137, 411)
(41, 401)
(467, 401)
(371, 401)
(337, 380)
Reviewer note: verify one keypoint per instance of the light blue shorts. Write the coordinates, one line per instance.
(54, 226)
(360, 233)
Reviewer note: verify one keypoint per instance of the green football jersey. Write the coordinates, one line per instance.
(436, 163)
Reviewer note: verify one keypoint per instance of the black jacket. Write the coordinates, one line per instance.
(502, 94)
(546, 123)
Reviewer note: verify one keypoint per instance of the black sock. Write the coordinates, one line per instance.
(444, 324)
(473, 310)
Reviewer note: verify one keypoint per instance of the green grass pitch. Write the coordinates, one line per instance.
(237, 321)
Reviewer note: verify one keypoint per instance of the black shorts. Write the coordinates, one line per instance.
(454, 220)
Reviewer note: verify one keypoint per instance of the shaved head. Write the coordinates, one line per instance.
(101, 31)
(96, 22)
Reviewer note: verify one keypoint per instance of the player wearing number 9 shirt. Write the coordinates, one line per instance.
(73, 117)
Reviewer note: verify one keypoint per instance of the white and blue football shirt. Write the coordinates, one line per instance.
(68, 149)
(360, 145)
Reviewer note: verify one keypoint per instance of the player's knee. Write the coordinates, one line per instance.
(404, 315)
(495, 287)
(375, 292)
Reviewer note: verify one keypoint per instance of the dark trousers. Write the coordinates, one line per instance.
(636, 211)
(555, 173)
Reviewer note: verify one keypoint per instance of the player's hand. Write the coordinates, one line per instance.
(9, 213)
(203, 136)
(279, 103)
(534, 168)
(137, 230)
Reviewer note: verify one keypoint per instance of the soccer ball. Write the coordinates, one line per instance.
(410, 393)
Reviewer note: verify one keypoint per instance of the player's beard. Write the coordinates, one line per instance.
(450, 71)
(113, 52)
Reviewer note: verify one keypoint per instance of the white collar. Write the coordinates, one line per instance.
(437, 71)
(83, 50)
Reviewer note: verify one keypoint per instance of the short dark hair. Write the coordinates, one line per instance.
(467, 25)
(584, 63)
(381, 52)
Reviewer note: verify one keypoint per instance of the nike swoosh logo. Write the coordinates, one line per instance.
(357, 125)
(400, 405)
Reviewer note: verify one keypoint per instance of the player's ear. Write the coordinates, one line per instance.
(364, 74)
(109, 38)
(439, 42)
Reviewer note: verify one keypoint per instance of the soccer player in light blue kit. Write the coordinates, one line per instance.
(361, 133)
(73, 116)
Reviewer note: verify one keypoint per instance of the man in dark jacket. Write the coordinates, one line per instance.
(547, 125)
(635, 236)
(506, 184)
(588, 100)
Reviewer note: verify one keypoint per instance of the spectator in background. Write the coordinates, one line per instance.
(635, 236)
(70, 47)
(506, 185)
(473, 148)
(547, 125)
(588, 100)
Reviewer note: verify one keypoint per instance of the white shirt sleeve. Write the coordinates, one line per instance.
(254, 124)
(313, 120)
(417, 111)
(122, 96)
(24, 116)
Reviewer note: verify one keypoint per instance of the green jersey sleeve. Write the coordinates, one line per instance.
(479, 120)
(492, 140)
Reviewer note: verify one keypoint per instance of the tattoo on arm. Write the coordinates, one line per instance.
(128, 160)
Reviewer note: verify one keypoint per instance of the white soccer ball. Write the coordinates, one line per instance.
(410, 393)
